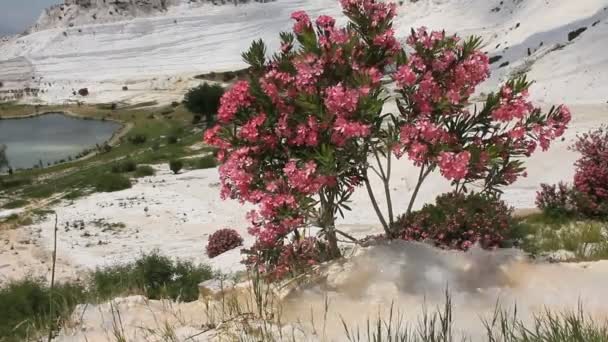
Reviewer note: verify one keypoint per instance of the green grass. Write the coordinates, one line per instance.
(25, 305)
(14, 181)
(153, 275)
(541, 234)
(26, 311)
(205, 162)
(112, 182)
(18, 203)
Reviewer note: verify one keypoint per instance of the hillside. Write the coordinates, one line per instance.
(155, 47)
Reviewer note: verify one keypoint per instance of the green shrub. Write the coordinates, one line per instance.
(144, 171)
(25, 307)
(172, 139)
(153, 275)
(137, 139)
(124, 166)
(112, 182)
(176, 165)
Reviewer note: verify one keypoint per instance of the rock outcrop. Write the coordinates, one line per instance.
(80, 12)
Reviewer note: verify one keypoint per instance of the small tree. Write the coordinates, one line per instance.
(204, 100)
(176, 166)
(294, 139)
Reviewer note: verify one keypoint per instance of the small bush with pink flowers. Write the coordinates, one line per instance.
(591, 173)
(588, 197)
(459, 221)
(556, 200)
(222, 241)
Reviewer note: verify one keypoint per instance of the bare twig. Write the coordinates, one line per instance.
(51, 304)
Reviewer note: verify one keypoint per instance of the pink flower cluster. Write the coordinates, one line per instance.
(302, 22)
(443, 77)
(437, 128)
(236, 98)
(454, 166)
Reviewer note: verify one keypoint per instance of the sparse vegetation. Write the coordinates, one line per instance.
(26, 314)
(144, 171)
(18, 203)
(152, 275)
(205, 162)
(26, 311)
(545, 235)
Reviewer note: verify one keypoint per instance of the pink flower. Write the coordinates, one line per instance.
(325, 22)
(405, 77)
(454, 166)
(344, 130)
(302, 22)
(387, 40)
(341, 101)
(309, 69)
(418, 153)
(250, 130)
(234, 99)
(517, 132)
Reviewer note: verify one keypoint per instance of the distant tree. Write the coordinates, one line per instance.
(204, 100)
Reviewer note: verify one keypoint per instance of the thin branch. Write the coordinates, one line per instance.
(375, 171)
(350, 237)
(423, 174)
(52, 290)
(370, 192)
(383, 175)
(387, 190)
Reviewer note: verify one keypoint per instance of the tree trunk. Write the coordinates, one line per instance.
(328, 223)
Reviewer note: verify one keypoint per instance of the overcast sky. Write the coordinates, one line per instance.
(17, 15)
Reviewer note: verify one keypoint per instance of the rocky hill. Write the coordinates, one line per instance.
(154, 48)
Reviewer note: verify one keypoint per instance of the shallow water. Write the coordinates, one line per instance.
(51, 137)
